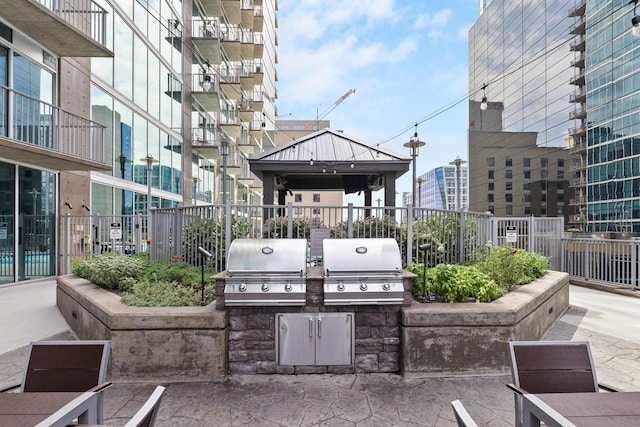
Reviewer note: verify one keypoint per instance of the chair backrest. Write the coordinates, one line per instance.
(146, 416)
(553, 366)
(462, 416)
(65, 365)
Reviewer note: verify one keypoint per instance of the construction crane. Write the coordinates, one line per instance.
(326, 112)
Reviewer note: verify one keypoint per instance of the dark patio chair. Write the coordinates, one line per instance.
(551, 367)
(462, 416)
(66, 366)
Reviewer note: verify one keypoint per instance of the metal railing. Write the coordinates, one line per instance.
(29, 120)
(85, 15)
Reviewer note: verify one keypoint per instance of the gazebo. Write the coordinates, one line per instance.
(328, 160)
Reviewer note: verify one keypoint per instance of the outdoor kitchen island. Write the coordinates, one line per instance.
(288, 317)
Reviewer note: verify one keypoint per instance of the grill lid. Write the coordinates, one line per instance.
(266, 272)
(267, 256)
(362, 271)
(355, 256)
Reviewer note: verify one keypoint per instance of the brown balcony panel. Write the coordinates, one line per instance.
(55, 32)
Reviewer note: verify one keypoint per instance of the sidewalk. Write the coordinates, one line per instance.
(362, 399)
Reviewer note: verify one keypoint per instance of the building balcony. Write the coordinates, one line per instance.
(578, 45)
(578, 113)
(578, 28)
(229, 122)
(247, 13)
(230, 82)
(578, 96)
(232, 10)
(578, 62)
(206, 35)
(231, 41)
(205, 89)
(258, 18)
(66, 28)
(577, 131)
(212, 7)
(205, 143)
(578, 80)
(579, 9)
(37, 133)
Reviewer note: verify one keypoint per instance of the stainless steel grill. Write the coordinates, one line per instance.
(362, 271)
(266, 272)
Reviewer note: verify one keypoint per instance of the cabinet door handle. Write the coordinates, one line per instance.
(319, 328)
(310, 327)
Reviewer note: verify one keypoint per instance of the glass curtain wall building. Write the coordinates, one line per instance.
(607, 79)
(520, 59)
(191, 85)
(94, 93)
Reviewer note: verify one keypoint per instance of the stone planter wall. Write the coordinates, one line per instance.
(150, 343)
(194, 343)
(471, 338)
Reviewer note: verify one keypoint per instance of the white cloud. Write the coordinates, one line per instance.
(434, 24)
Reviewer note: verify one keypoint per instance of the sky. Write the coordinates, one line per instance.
(406, 60)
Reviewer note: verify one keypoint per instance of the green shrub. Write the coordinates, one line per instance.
(108, 270)
(511, 267)
(147, 284)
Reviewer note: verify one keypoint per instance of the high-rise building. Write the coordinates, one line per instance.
(520, 60)
(442, 188)
(606, 125)
(98, 95)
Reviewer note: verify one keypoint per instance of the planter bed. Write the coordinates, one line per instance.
(191, 343)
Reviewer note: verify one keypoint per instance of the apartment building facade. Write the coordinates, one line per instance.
(520, 60)
(106, 102)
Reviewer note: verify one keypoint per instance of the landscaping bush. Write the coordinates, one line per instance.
(483, 281)
(511, 267)
(147, 284)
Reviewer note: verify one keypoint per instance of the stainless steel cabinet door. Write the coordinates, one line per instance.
(334, 344)
(296, 339)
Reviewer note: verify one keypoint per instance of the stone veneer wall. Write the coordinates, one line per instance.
(252, 333)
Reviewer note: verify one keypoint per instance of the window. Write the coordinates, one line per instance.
(316, 198)
(543, 162)
(508, 210)
(490, 197)
(508, 174)
(560, 163)
(490, 186)
(490, 174)
(298, 197)
(491, 161)
(508, 186)
(508, 162)
(526, 162)
(508, 198)
(527, 174)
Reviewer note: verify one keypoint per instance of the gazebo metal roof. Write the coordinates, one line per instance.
(328, 160)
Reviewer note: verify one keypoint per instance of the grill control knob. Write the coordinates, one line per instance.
(242, 287)
(265, 287)
(386, 286)
(363, 286)
(340, 287)
(288, 287)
